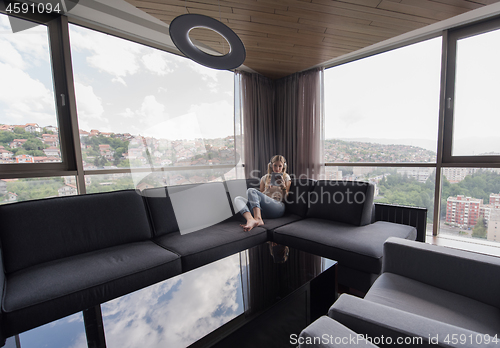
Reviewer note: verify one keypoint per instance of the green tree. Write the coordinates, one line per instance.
(100, 161)
(480, 230)
(6, 137)
(19, 130)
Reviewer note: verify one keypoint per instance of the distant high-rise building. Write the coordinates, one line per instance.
(454, 175)
(495, 199)
(494, 224)
(419, 174)
(464, 211)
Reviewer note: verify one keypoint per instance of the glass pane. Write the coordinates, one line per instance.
(62, 333)
(384, 108)
(177, 312)
(470, 203)
(18, 190)
(28, 126)
(477, 106)
(140, 107)
(401, 186)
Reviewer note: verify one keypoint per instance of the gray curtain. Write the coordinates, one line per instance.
(259, 129)
(284, 117)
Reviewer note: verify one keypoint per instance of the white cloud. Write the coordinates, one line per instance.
(177, 312)
(119, 80)
(127, 113)
(25, 99)
(206, 73)
(32, 45)
(118, 58)
(89, 104)
(10, 56)
(215, 119)
(157, 63)
(152, 112)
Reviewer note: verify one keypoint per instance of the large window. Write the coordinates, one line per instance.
(139, 107)
(476, 114)
(382, 117)
(384, 108)
(383, 112)
(29, 131)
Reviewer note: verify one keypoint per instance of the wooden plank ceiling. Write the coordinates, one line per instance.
(286, 36)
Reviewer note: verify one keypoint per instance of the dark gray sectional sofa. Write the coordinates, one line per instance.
(63, 255)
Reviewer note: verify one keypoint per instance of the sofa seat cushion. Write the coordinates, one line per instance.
(49, 291)
(211, 243)
(428, 301)
(358, 247)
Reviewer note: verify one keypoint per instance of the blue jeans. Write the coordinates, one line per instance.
(271, 208)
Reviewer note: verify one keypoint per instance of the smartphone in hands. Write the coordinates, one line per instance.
(276, 179)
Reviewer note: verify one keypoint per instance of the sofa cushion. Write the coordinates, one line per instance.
(160, 210)
(359, 247)
(350, 202)
(428, 301)
(188, 207)
(52, 290)
(212, 243)
(397, 328)
(325, 332)
(40, 231)
(239, 187)
(297, 200)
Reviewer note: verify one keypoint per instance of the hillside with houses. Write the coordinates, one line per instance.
(31, 143)
(355, 151)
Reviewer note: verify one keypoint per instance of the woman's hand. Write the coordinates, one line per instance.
(280, 182)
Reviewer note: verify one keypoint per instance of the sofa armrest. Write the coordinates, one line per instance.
(411, 216)
(400, 327)
(328, 333)
(470, 274)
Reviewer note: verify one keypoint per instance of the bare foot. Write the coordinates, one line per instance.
(251, 224)
(260, 221)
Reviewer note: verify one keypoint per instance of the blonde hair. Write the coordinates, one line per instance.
(270, 166)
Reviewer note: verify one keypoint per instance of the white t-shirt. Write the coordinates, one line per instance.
(274, 192)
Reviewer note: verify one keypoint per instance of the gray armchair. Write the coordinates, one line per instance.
(446, 297)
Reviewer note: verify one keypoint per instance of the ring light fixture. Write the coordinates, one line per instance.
(179, 32)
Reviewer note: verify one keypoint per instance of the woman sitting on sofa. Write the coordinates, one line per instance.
(268, 201)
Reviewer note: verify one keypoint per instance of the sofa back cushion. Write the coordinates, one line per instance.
(194, 207)
(160, 210)
(342, 201)
(238, 187)
(296, 202)
(39, 231)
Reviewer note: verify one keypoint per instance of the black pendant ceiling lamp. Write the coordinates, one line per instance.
(179, 32)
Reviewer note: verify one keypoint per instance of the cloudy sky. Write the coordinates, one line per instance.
(395, 95)
(121, 87)
(126, 87)
(392, 95)
(26, 93)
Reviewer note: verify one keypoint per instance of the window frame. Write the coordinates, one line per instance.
(68, 164)
(448, 104)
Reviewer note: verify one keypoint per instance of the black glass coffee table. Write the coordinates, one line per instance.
(260, 296)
